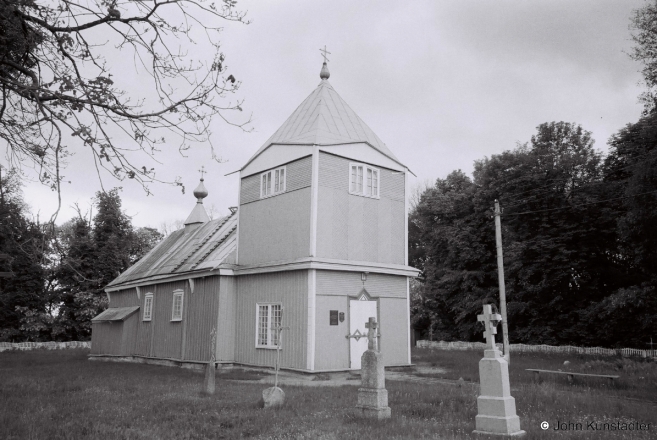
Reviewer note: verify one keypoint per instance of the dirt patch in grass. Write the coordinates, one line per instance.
(241, 374)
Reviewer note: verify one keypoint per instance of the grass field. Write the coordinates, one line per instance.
(61, 395)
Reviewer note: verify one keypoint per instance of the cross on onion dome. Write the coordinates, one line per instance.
(490, 321)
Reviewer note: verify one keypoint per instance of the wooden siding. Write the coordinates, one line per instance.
(276, 228)
(288, 288)
(393, 316)
(334, 290)
(161, 337)
(331, 346)
(144, 334)
(124, 298)
(106, 337)
(167, 335)
(350, 284)
(297, 176)
(201, 316)
(116, 337)
(226, 319)
(351, 227)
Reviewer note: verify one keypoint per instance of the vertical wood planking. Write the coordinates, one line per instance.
(289, 288)
(226, 319)
(202, 317)
(167, 334)
(276, 228)
(352, 227)
(394, 331)
(350, 284)
(124, 298)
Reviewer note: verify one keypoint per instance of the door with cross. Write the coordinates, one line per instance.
(360, 311)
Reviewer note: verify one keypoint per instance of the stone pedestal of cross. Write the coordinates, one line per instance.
(372, 395)
(496, 409)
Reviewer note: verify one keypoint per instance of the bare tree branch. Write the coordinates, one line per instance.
(56, 81)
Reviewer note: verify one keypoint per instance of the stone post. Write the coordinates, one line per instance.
(495, 406)
(372, 396)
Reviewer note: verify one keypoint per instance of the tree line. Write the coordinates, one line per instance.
(57, 273)
(579, 235)
(579, 232)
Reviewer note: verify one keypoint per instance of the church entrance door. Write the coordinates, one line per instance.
(359, 313)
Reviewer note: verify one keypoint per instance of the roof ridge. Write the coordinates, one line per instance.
(201, 244)
(213, 247)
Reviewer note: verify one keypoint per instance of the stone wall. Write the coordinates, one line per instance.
(523, 348)
(47, 345)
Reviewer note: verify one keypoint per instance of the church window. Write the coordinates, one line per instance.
(177, 307)
(148, 307)
(272, 182)
(364, 180)
(267, 323)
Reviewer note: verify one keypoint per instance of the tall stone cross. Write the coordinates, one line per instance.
(324, 52)
(490, 321)
(372, 336)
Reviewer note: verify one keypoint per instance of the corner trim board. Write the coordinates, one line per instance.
(314, 191)
(310, 340)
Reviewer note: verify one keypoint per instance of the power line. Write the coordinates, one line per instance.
(575, 206)
(511, 197)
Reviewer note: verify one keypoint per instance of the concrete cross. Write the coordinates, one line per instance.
(372, 341)
(490, 321)
(324, 52)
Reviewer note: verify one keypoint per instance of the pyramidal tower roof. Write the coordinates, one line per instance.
(324, 118)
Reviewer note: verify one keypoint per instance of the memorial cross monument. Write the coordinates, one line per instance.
(372, 395)
(495, 407)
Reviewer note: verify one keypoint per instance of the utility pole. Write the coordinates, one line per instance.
(500, 277)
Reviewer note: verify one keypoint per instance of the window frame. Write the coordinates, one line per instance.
(148, 307)
(361, 180)
(272, 182)
(177, 293)
(270, 337)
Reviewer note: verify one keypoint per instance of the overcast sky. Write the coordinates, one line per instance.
(442, 83)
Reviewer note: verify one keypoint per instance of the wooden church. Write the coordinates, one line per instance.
(318, 244)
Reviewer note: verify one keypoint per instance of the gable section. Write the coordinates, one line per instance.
(298, 176)
(334, 173)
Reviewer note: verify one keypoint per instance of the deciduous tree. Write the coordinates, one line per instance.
(77, 68)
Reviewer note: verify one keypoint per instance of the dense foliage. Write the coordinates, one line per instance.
(579, 241)
(579, 232)
(59, 275)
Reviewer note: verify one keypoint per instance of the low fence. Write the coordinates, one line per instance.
(523, 348)
(47, 345)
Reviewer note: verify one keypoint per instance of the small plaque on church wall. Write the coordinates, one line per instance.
(333, 317)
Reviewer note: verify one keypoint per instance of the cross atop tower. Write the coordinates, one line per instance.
(202, 171)
(324, 52)
(490, 321)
